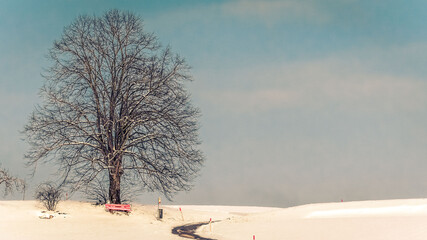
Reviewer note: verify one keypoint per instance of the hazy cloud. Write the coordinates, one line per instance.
(274, 10)
(345, 84)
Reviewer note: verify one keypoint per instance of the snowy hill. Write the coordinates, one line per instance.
(391, 219)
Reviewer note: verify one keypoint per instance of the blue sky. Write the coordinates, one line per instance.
(302, 101)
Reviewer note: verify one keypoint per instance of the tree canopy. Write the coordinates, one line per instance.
(115, 103)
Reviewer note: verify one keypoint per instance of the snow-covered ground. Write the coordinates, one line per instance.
(391, 220)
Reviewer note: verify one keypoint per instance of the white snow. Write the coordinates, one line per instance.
(360, 212)
(225, 209)
(388, 220)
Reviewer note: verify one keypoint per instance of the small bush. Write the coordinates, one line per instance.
(49, 195)
(98, 190)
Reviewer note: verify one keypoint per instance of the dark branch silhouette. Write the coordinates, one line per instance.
(10, 182)
(49, 195)
(115, 103)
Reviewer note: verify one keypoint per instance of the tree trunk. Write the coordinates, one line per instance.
(114, 191)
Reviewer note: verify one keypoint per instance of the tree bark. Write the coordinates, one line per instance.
(115, 173)
(114, 191)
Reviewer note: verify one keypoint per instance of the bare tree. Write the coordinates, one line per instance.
(115, 103)
(49, 195)
(10, 182)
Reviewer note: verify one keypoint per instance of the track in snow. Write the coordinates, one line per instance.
(188, 231)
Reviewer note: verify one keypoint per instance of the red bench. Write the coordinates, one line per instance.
(118, 207)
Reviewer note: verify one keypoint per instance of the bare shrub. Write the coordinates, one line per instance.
(49, 195)
(98, 190)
